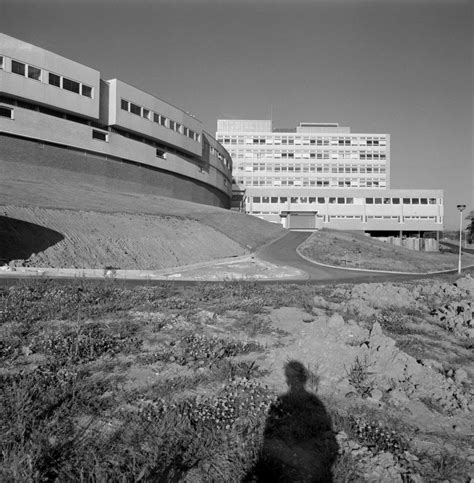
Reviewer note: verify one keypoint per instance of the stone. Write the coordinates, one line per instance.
(460, 376)
(376, 394)
(336, 321)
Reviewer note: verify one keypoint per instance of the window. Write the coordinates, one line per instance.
(34, 73)
(369, 201)
(423, 201)
(172, 125)
(432, 201)
(256, 199)
(1, 62)
(332, 200)
(283, 199)
(406, 201)
(6, 112)
(163, 121)
(265, 199)
(378, 201)
(274, 199)
(386, 201)
(54, 80)
(125, 105)
(396, 201)
(349, 201)
(134, 109)
(415, 201)
(341, 201)
(160, 154)
(86, 91)
(70, 85)
(18, 68)
(146, 113)
(100, 135)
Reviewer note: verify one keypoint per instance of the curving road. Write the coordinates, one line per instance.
(283, 252)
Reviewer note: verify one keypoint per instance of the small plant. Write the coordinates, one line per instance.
(358, 375)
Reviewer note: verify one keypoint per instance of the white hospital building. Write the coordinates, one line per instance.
(320, 175)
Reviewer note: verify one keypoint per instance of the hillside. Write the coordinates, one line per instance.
(356, 250)
(60, 218)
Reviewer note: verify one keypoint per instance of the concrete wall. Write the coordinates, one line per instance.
(328, 213)
(40, 91)
(126, 120)
(95, 112)
(110, 172)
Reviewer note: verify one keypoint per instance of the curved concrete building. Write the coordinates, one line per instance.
(57, 112)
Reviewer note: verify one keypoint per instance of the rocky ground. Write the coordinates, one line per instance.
(382, 372)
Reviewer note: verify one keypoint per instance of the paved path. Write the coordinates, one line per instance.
(283, 252)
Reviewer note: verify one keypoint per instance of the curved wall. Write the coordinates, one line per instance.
(47, 98)
(108, 171)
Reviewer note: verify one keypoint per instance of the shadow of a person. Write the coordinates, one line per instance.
(299, 444)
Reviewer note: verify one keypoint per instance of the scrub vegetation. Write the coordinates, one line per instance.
(101, 382)
(356, 250)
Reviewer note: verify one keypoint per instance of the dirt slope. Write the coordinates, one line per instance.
(54, 217)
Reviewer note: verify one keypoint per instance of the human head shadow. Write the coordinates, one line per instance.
(299, 444)
(20, 239)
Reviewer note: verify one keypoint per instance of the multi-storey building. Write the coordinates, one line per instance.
(57, 112)
(322, 175)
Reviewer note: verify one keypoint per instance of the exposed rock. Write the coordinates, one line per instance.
(336, 321)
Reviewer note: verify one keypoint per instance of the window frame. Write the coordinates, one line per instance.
(52, 75)
(5, 108)
(31, 71)
(16, 62)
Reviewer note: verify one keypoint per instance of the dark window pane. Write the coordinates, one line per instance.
(6, 112)
(134, 109)
(156, 118)
(86, 91)
(34, 73)
(54, 80)
(124, 104)
(70, 85)
(18, 68)
(101, 136)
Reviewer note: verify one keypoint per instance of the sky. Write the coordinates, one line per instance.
(402, 67)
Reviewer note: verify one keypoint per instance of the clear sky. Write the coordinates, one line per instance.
(402, 67)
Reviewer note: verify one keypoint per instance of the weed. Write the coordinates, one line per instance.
(358, 375)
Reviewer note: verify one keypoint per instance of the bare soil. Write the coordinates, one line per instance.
(355, 250)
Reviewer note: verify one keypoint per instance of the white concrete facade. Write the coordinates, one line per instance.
(45, 97)
(323, 167)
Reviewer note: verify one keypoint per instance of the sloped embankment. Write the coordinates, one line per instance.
(56, 217)
(87, 239)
